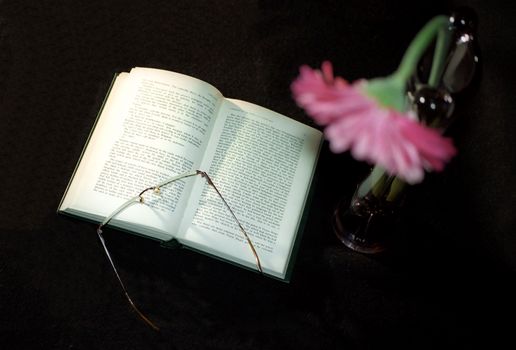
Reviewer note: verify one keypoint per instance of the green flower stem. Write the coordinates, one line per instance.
(397, 187)
(441, 51)
(382, 185)
(436, 26)
(378, 182)
(375, 182)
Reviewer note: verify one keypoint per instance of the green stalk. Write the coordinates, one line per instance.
(441, 50)
(436, 26)
(374, 182)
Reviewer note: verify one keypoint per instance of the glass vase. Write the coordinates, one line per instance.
(367, 224)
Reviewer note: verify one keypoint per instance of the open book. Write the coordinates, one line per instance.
(155, 124)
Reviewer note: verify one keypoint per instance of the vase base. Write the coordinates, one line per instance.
(356, 234)
(352, 244)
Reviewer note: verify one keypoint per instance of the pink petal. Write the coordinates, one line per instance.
(434, 149)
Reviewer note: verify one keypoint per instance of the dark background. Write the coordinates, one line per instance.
(450, 280)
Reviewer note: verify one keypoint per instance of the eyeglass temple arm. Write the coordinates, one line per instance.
(127, 204)
(251, 245)
(139, 199)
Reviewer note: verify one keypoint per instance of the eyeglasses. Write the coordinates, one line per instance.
(140, 199)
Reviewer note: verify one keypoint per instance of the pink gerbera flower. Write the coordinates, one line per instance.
(371, 129)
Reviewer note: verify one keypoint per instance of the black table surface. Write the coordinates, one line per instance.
(449, 281)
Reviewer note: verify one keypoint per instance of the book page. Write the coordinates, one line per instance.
(154, 125)
(262, 163)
